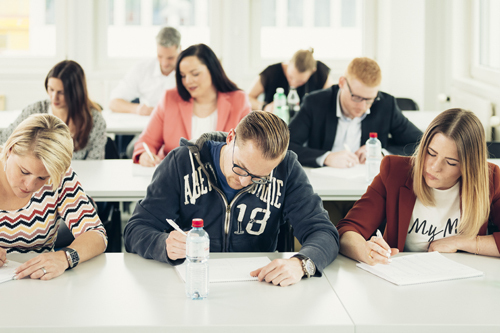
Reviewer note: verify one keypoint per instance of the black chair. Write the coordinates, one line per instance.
(493, 149)
(407, 104)
(285, 238)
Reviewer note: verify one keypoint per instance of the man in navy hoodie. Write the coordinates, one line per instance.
(244, 184)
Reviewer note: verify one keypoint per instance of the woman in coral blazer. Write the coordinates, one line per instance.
(205, 100)
(441, 199)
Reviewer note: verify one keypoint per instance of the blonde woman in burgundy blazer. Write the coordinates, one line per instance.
(393, 194)
(202, 89)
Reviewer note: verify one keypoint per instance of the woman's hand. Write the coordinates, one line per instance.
(145, 160)
(3, 256)
(378, 251)
(46, 266)
(448, 244)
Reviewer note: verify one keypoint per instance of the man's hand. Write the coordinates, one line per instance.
(282, 272)
(144, 110)
(341, 159)
(176, 245)
(361, 154)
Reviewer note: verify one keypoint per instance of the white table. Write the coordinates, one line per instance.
(126, 293)
(118, 180)
(117, 123)
(113, 180)
(376, 305)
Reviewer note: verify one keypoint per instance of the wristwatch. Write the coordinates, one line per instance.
(72, 256)
(308, 265)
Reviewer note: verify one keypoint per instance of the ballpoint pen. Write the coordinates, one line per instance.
(148, 152)
(379, 234)
(175, 226)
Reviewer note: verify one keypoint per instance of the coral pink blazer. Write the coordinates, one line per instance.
(171, 120)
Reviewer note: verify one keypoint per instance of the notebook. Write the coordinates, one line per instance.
(7, 270)
(421, 268)
(358, 171)
(229, 269)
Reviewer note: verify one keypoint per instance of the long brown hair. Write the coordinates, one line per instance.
(76, 97)
(465, 129)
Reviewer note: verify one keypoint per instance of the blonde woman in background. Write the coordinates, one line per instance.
(37, 188)
(441, 199)
(302, 72)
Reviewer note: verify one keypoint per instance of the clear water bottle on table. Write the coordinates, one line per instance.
(280, 106)
(293, 101)
(197, 254)
(373, 156)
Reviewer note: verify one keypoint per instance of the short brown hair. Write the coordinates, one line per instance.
(47, 138)
(269, 132)
(365, 70)
(465, 129)
(303, 60)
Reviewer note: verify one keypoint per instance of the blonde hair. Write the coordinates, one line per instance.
(47, 138)
(267, 131)
(365, 70)
(303, 60)
(465, 129)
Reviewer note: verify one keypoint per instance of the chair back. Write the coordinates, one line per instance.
(406, 104)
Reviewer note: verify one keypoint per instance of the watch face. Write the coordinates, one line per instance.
(311, 269)
(73, 255)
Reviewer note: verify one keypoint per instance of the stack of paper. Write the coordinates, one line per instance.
(421, 268)
(229, 269)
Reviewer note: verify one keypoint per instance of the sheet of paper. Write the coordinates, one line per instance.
(421, 268)
(357, 171)
(7, 270)
(229, 269)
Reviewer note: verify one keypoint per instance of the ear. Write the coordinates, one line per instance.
(230, 136)
(341, 82)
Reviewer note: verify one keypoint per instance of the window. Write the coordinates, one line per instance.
(489, 34)
(332, 27)
(27, 28)
(486, 52)
(133, 24)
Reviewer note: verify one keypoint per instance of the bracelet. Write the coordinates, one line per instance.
(477, 244)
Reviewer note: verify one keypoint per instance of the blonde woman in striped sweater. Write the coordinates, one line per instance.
(37, 188)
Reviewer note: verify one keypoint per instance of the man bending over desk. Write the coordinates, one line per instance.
(244, 184)
(334, 123)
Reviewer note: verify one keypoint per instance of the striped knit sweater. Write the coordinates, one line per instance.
(34, 226)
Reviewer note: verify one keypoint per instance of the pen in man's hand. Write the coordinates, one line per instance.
(175, 226)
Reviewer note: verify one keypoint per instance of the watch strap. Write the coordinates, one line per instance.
(72, 257)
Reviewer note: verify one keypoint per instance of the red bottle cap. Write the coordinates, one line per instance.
(197, 223)
(373, 134)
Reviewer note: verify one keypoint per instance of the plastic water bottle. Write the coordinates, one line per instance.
(293, 101)
(280, 106)
(373, 156)
(197, 254)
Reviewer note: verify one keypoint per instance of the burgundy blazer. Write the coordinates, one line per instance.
(390, 197)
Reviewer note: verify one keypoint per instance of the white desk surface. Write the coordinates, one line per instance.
(376, 305)
(126, 293)
(117, 123)
(117, 180)
(113, 180)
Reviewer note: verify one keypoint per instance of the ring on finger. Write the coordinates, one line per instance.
(43, 270)
(370, 254)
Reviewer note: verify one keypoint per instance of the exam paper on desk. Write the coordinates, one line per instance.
(229, 269)
(7, 270)
(357, 171)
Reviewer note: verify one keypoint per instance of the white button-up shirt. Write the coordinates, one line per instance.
(146, 82)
